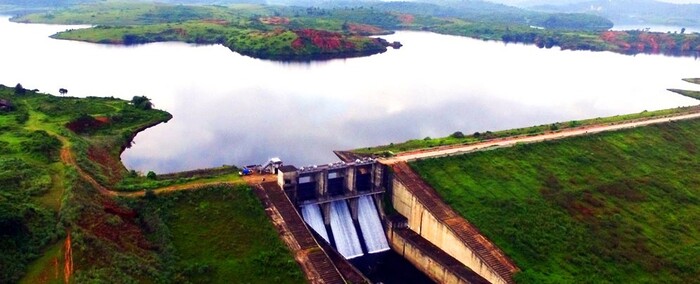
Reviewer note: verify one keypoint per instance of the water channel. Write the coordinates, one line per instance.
(232, 109)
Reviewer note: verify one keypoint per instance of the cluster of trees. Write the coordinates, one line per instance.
(305, 44)
(142, 102)
(25, 227)
(324, 40)
(19, 90)
(652, 42)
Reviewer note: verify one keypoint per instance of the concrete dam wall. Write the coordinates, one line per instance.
(342, 203)
(430, 218)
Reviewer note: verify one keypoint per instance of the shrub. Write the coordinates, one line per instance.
(457, 134)
(42, 145)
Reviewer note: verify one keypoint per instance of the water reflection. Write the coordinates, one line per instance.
(232, 109)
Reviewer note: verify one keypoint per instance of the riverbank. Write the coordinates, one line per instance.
(294, 34)
(59, 157)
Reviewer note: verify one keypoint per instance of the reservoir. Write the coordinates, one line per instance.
(233, 109)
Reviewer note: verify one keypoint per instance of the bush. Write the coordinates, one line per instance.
(142, 102)
(457, 134)
(42, 145)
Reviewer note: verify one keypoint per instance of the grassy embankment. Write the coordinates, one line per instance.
(619, 207)
(612, 207)
(215, 235)
(459, 138)
(38, 190)
(55, 223)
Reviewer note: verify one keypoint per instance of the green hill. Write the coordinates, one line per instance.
(61, 221)
(619, 207)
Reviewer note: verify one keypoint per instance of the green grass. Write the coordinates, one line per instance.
(139, 183)
(476, 137)
(619, 207)
(38, 197)
(48, 268)
(218, 235)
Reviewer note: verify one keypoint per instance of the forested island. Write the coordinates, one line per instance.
(345, 30)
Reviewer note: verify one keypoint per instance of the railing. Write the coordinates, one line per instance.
(327, 199)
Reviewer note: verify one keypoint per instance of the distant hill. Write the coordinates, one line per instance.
(633, 12)
(44, 3)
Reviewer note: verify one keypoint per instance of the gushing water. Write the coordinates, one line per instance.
(371, 225)
(346, 240)
(312, 216)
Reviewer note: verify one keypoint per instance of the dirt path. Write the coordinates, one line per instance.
(68, 158)
(508, 142)
(172, 188)
(252, 180)
(68, 259)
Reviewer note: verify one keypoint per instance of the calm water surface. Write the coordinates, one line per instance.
(232, 109)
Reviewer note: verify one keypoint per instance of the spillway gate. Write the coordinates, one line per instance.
(339, 201)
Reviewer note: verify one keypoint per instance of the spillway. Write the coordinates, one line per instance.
(344, 233)
(371, 225)
(312, 216)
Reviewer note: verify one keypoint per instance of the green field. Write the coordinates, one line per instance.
(215, 235)
(619, 207)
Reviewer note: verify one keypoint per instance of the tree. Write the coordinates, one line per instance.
(62, 91)
(19, 90)
(151, 175)
(682, 30)
(457, 134)
(142, 102)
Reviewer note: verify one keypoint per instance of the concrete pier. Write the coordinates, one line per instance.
(427, 257)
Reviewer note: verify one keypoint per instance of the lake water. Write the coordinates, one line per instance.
(232, 109)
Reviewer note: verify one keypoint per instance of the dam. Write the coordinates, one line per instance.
(344, 206)
(339, 201)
